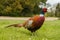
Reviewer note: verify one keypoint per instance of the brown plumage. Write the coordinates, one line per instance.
(34, 23)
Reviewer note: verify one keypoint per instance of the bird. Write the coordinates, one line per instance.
(34, 23)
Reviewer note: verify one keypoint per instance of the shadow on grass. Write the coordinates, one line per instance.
(25, 32)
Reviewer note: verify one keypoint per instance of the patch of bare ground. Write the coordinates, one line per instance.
(26, 18)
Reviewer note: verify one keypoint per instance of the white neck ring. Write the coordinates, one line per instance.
(41, 15)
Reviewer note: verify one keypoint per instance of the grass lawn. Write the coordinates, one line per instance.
(49, 31)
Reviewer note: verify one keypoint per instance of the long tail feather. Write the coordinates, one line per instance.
(14, 25)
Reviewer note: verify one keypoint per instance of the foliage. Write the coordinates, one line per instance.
(19, 7)
(57, 13)
(50, 14)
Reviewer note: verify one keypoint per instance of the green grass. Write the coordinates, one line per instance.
(49, 31)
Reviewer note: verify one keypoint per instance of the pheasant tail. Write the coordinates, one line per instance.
(15, 25)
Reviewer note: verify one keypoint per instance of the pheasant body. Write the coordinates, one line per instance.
(36, 24)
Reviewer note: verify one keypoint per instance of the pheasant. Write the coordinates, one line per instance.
(33, 23)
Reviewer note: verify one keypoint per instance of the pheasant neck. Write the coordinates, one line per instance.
(41, 15)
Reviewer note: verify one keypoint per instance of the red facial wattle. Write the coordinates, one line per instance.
(44, 9)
